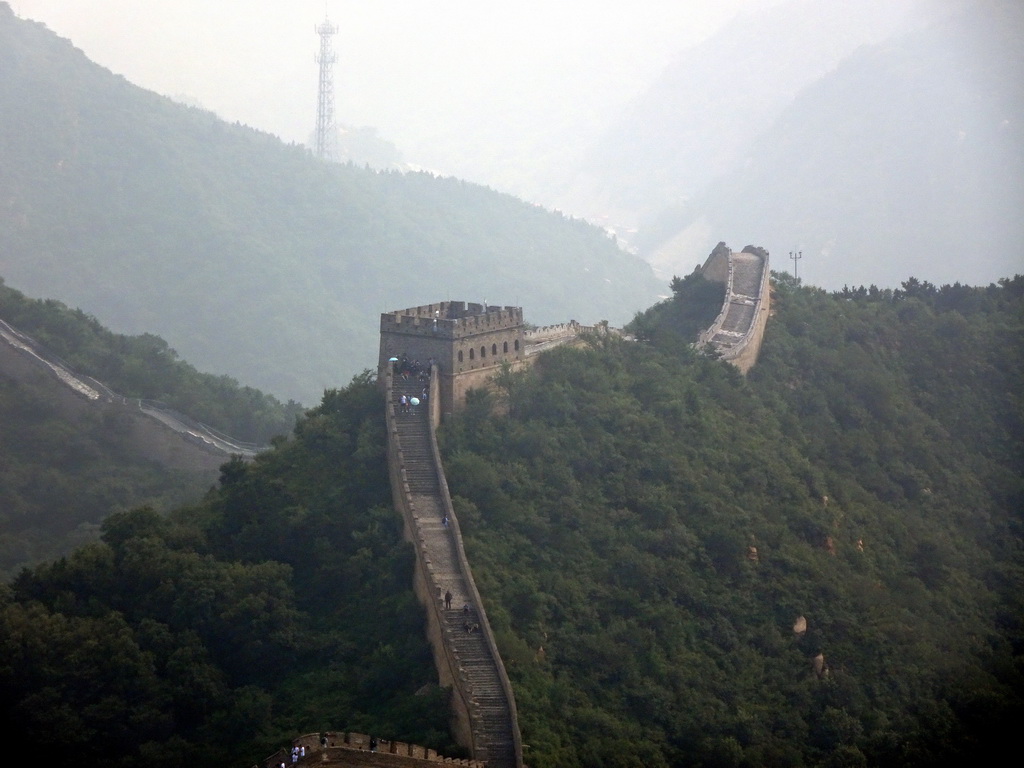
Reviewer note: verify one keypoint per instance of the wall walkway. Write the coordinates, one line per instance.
(465, 653)
(91, 390)
(738, 330)
(550, 336)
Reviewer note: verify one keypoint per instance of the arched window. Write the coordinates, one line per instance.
(483, 352)
(471, 354)
(494, 349)
(460, 355)
(517, 345)
(504, 347)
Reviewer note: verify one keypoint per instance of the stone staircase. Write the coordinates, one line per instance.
(737, 331)
(464, 624)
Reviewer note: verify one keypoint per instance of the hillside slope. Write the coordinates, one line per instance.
(819, 564)
(279, 605)
(68, 461)
(816, 565)
(240, 250)
(65, 464)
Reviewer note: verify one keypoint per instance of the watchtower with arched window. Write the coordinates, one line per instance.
(468, 342)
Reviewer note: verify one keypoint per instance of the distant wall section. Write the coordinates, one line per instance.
(737, 332)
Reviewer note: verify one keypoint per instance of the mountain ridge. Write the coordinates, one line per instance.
(235, 247)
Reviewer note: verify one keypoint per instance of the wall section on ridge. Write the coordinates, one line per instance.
(737, 332)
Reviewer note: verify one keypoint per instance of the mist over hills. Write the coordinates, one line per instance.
(698, 118)
(241, 250)
(878, 161)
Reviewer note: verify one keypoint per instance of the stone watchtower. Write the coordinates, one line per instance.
(468, 342)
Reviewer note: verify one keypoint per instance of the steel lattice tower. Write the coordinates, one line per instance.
(326, 135)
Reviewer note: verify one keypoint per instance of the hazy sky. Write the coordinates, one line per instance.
(424, 73)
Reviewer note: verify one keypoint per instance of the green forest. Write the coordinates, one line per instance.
(279, 605)
(658, 525)
(816, 565)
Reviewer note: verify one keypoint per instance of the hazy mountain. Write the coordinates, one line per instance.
(786, 129)
(249, 256)
(907, 159)
(698, 118)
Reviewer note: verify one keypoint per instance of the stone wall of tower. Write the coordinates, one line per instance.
(468, 343)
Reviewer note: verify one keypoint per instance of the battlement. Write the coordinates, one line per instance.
(341, 748)
(548, 332)
(467, 342)
(450, 319)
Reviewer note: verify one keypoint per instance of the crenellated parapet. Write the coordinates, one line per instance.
(548, 332)
(550, 336)
(467, 342)
(451, 320)
(349, 748)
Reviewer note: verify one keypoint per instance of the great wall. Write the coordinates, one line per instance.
(463, 346)
(162, 433)
(737, 331)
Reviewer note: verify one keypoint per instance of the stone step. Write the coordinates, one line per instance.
(470, 649)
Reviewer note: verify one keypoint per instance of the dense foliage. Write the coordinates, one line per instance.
(648, 527)
(61, 474)
(238, 249)
(280, 605)
(678, 321)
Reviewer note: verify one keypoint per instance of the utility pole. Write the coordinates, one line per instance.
(796, 256)
(326, 134)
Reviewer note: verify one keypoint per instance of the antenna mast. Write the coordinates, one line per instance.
(326, 134)
(796, 256)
